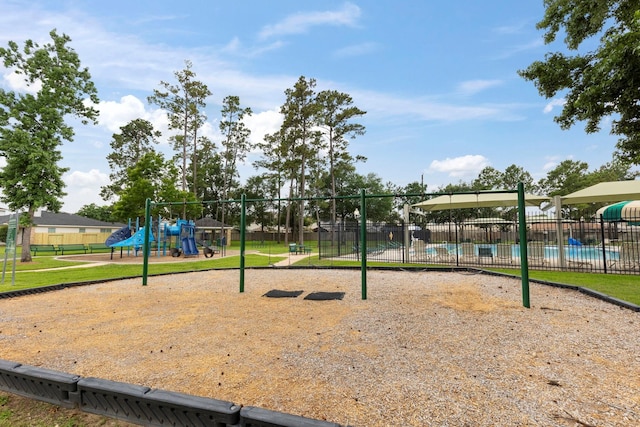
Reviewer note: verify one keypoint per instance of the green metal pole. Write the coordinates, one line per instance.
(524, 262)
(145, 244)
(363, 243)
(243, 220)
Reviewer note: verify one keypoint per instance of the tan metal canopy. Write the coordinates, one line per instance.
(612, 191)
(478, 200)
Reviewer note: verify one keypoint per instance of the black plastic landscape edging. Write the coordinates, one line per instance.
(138, 404)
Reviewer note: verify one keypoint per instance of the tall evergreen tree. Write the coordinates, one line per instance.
(300, 118)
(235, 143)
(335, 112)
(184, 103)
(33, 124)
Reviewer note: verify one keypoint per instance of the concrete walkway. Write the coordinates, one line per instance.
(291, 259)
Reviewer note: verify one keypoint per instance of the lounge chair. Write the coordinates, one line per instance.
(629, 256)
(485, 253)
(504, 253)
(419, 250)
(536, 253)
(468, 252)
(443, 255)
(576, 258)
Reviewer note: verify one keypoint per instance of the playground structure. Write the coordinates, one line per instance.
(183, 234)
(175, 238)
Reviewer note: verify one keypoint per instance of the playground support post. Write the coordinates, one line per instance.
(363, 243)
(243, 223)
(524, 262)
(145, 249)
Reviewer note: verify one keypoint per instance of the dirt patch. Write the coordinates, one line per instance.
(467, 297)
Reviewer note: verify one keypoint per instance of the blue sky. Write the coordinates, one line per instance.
(438, 80)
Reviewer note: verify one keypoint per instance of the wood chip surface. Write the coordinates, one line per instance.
(424, 349)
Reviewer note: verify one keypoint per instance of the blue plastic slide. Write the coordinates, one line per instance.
(574, 242)
(189, 246)
(136, 240)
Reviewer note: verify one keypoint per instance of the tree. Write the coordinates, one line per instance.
(572, 175)
(235, 144)
(154, 178)
(618, 169)
(209, 180)
(411, 194)
(32, 124)
(567, 177)
(183, 103)
(259, 187)
(101, 213)
(273, 160)
(492, 179)
(335, 110)
(489, 178)
(300, 139)
(135, 139)
(599, 83)
(513, 175)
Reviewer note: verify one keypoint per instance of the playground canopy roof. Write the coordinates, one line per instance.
(612, 191)
(478, 200)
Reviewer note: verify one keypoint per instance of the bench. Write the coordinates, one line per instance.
(98, 247)
(43, 248)
(72, 248)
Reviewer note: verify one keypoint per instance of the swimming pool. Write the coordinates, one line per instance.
(582, 253)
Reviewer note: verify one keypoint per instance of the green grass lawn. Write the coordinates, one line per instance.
(622, 286)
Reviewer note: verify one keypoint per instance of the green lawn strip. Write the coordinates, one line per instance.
(40, 263)
(620, 286)
(35, 279)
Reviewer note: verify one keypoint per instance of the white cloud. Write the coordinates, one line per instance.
(356, 50)
(387, 106)
(266, 122)
(235, 47)
(509, 30)
(460, 166)
(299, 23)
(16, 82)
(83, 188)
(114, 114)
(471, 87)
(532, 45)
(554, 103)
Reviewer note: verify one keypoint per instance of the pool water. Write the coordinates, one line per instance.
(550, 251)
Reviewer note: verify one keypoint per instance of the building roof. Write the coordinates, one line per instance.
(211, 223)
(62, 219)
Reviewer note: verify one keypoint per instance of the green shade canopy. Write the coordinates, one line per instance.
(478, 200)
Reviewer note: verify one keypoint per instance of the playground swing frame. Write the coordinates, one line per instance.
(524, 266)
